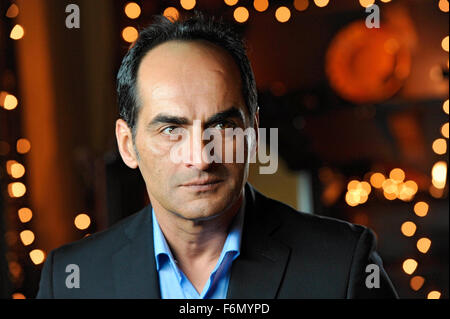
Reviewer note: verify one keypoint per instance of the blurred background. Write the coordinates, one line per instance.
(362, 118)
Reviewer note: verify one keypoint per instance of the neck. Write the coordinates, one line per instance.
(193, 241)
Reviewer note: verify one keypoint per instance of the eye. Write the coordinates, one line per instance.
(219, 126)
(224, 125)
(171, 130)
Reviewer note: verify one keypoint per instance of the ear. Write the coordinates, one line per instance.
(125, 144)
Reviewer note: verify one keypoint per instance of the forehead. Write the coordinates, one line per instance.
(183, 54)
(188, 71)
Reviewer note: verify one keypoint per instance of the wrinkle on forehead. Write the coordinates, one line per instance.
(186, 67)
(169, 88)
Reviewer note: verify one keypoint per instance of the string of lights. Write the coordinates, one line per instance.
(438, 177)
(241, 14)
(132, 11)
(436, 189)
(19, 228)
(17, 189)
(394, 187)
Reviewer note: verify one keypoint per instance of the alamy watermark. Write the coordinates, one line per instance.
(373, 279)
(73, 279)
(73, 18)
(230, 145)
(373, 19)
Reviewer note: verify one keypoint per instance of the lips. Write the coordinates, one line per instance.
(203, 185)
(203, 182)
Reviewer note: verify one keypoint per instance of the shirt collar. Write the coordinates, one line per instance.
(232, 243)
(160, 243)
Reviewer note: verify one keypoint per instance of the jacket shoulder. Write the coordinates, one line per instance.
(332, 252)
(102, 243)
(295, 225)
(90, 256)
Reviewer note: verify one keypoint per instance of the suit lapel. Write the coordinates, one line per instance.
(256, 273)
(134, 267)
(259, 269)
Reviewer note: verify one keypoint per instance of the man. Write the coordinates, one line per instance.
(207, 233)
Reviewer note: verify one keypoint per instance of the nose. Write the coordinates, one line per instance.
(197, 156)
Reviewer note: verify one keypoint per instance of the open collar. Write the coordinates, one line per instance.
(256, 273)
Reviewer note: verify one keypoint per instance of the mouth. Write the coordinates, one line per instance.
(203, 185)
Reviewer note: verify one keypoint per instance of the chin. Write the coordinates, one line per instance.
(203, 209)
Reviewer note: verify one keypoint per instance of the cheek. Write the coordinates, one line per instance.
(153, 147)
(153, 158)
(235, 150)
(235, 172)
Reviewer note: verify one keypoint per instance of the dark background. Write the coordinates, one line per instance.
(64, 80)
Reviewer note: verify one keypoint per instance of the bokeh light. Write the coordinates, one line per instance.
(25, 214)
(444, 130)
(17, 32)
(434, 295)
(408, 228)
(390, 186)
(321, 3)
(16, 189)
(439, 174)
(352, 185)
(445, 107)
(241, 14)
(423, 245)
(352, 198)
(171, 13)
(443, 5)
(397, 175)
(13, 11)
(130, 34)
(390, 196)
(366, 3)
(416, 282)
(37, 256)
(436, 192)
(421, 209)
(230, 2)
(444, 44)
(439, 146)
(406, 191)
(357, 192)
(8, 101)
(365, 187)
(27, 237)
(301, 5)
(82, 221)
(17, 170)
(409, 266)
(377, 179)
(23, 146)
(132, 10)
(188, 4)
(261, 5)
(283, 14)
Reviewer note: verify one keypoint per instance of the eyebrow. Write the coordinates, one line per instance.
(232, 112)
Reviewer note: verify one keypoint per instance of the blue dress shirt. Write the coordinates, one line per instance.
(173, 282)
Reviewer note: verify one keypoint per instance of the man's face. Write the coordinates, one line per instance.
(179, 82)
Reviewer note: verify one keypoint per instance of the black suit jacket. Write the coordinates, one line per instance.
(284, 254)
